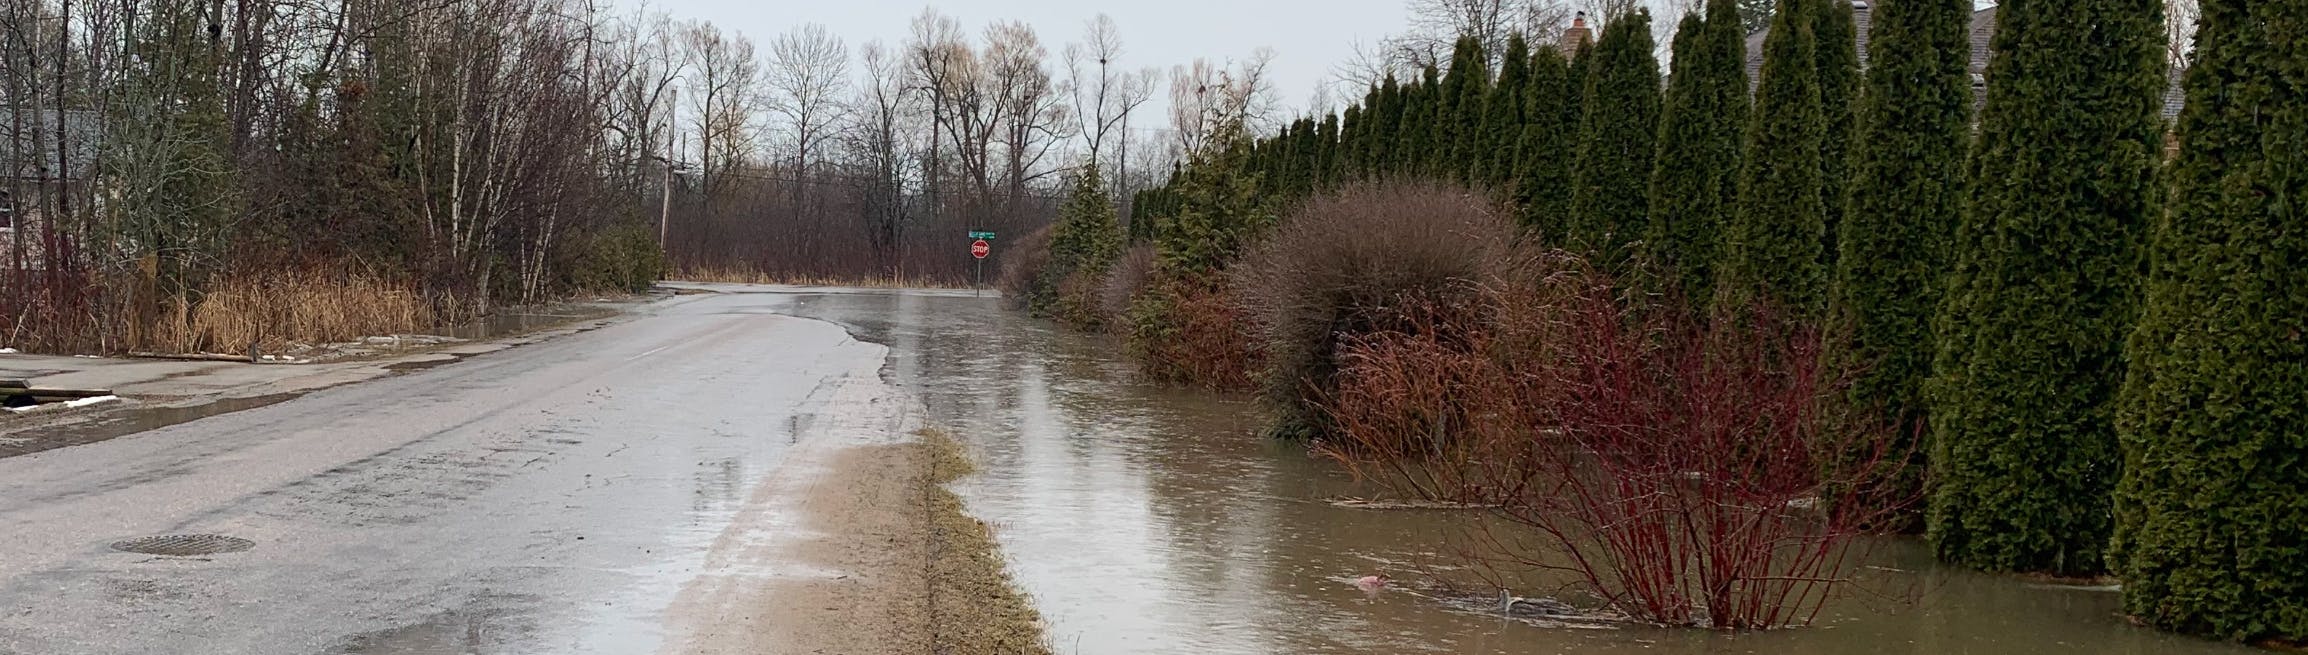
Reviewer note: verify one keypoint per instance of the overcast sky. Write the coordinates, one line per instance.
(1309, 36)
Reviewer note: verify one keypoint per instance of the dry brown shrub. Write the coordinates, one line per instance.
(1185, 332)
(1342, 262)
(1021, 272)
(1686, 472)
(1129, 277)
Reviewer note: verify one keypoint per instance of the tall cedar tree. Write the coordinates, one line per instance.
(1771, 254)
(1326, 151)
(1543, 158)
(1461, 112)
(1915, 127)
(1220, 210)
(1385, 130)
(1350, 141)
(1086, 240)
(1414, 136)
(1493, 156)
(1618, 137)
(2024, 451)
(1838, 54)
(1694, 186)
(2212, 510)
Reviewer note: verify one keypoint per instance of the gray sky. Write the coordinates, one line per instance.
(1309, 36)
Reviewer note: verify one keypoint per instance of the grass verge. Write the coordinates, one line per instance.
(975, 609)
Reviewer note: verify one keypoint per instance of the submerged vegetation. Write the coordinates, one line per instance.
(1696, 406)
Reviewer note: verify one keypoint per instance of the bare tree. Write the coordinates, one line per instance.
(1026, 109)
(2180, 18)
(1204, 95)
(1104, 95)
(876, 138)
(724, 79)
(808, 73)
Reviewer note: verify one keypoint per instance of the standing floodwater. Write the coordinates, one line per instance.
(1144, 519)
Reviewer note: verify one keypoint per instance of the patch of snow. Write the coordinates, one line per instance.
(7, 351)
(71, 404)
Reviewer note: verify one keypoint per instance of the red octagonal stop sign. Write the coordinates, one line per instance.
(980, 249)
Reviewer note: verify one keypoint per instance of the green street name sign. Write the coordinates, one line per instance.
(981, 235)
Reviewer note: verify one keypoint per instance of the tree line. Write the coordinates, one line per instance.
(2095, 341)
(480, 153)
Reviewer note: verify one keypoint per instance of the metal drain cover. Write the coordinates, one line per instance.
(182, 545)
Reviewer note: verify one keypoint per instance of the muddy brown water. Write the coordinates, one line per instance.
(1144, 519)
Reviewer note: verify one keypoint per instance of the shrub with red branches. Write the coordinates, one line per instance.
(1686, 472)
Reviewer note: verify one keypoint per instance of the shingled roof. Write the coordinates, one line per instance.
(1982, 35)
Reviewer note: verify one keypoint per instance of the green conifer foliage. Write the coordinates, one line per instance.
(1908, 181)
(1771, 254)
(2024, 451)
(1085, 241)
(1493, 154)
(2212, 510)
(1618, 138)
(1543, 157)
(1415, 138)
(1460, 112)
(1838, 55)
(1694, 185)
(1326, 152)
(1385, 128)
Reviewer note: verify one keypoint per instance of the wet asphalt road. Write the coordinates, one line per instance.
(554, 498)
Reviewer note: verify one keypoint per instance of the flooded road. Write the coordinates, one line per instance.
(1153, 520)
(616, 491)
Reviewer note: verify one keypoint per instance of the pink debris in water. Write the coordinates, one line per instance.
(1371, 582)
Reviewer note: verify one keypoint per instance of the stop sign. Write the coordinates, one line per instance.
(980, 249)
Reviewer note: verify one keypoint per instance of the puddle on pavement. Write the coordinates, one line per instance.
(1153, 520)
(125, 422)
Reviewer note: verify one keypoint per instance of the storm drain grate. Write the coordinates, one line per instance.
(184, 545)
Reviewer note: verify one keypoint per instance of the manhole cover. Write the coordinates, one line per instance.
(184, 545)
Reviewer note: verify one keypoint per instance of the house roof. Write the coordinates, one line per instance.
(28, 144)
(1982, 37)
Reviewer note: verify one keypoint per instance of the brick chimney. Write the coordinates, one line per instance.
(1577, 36)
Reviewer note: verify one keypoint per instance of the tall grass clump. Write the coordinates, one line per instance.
(268, 312)
(1342, 264)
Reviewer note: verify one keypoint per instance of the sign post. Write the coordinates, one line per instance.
(979, 249)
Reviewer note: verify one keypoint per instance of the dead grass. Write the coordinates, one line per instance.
(750, 276)
(268, 312)
(974, 607)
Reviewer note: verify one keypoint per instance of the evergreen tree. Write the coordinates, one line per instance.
(1771, 253)
(1220, 209)
(1618, 137)
(1460, 111)
(1326, 152)
(1415, 139)
(1493, 154)
(1543, 157)
(1694, 185)
(1384, 128)
(1351, 153)
(2024, 451)
(1838, 56)
(2212, 509)
(1915, 127)
(1085, 242)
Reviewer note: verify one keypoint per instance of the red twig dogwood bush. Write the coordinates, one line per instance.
(1685, 472)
